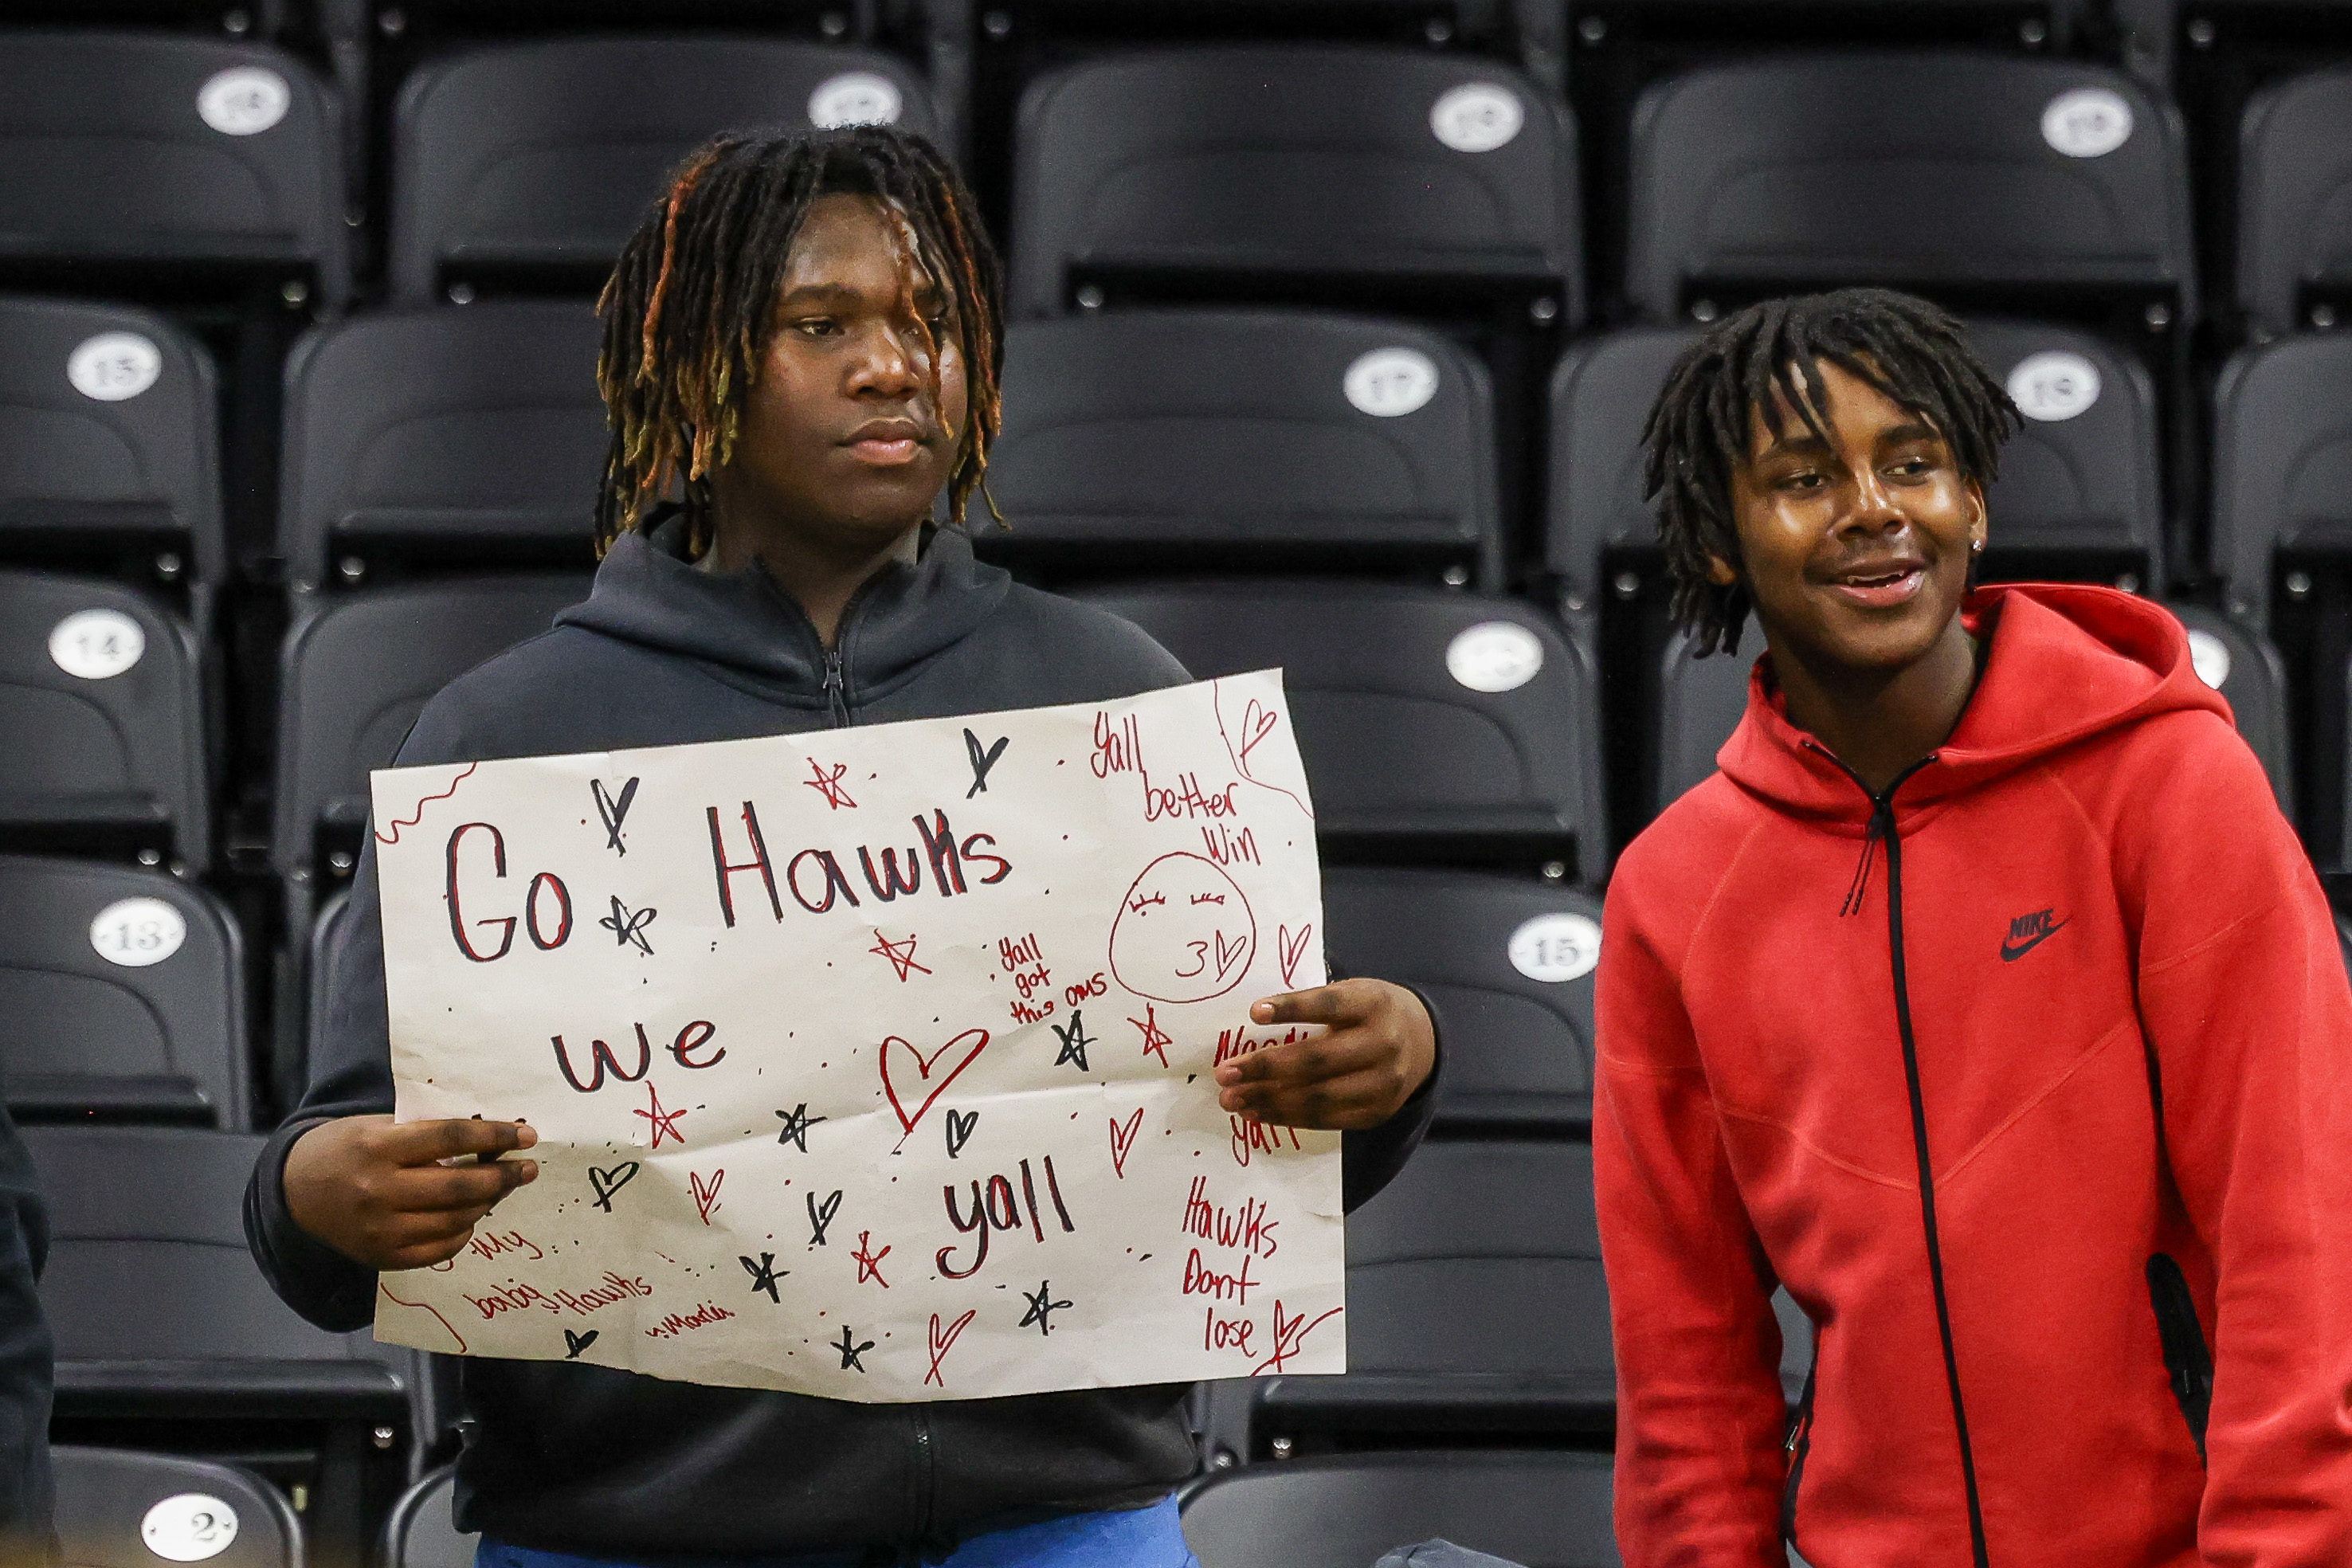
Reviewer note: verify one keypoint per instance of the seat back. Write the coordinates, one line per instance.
(2294, 203)
(1961, 172)
(442, 437)
(535, 160)
(1506, 965)
(1425, 718)
(355, 675)
(2241, 664)
(1290, 162)
(153, 1298)
(122, 1508)
(2282, 463)
(100, 720)
(1479, 1266)
(134, 149)
(1699, 704)
(126, 996)
(109, 452)
(422, 1531)
(1545, 1510)
(1148, 437)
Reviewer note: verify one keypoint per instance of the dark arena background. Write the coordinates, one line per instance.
(1333, 325)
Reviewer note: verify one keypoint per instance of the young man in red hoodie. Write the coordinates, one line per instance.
(1985, 1001)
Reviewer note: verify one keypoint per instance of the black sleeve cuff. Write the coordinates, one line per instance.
(1371, 1159)
(326, 1287)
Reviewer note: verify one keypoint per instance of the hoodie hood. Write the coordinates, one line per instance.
(2067, 662)
(745, 625)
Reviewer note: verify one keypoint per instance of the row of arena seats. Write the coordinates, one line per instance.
(2060, 181)
(438, 441)
(124, 1508)
(127, 988)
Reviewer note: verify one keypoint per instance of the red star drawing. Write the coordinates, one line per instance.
(828, 784)
(1155, 1038)
(869, 1262)
(664, 1122)
(901, 955)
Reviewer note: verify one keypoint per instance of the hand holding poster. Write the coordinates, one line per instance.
(875, 1063)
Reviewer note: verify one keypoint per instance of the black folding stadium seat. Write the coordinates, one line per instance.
(1476, 1303)
(179, 157)
(1969, 177)
(120, 1507)
(2241, 665)
(2078, 495)
(1431, 724)
(161, 1317)
(2294, 205)
(109, 455)
(1699, 704)
(532, 162)
(124, 995)
(2282, 471)
(1506, 965)
(442, 437)
(355, 675)
(1282, 165)
(1144, 437)
(101, 721)
(1545, 1510)
(422, 1529)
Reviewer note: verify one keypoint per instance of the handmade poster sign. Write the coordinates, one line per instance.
(875, 1063)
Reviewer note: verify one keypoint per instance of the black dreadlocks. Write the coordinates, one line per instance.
(1767, 359)
(690, 306)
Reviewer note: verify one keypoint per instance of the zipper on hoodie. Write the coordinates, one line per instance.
(1799, 1444)
(837, 698)
(1883, 829)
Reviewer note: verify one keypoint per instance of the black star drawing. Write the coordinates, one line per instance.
(1042, 1307)
(797, 1122)
(851, 1350)
(763, 1273)
(1075, 1041)
(629, 928)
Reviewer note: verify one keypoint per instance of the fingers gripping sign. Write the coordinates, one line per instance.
(402, 1194)
(1376, 1047)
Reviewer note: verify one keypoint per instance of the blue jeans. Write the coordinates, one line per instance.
(1128, 1537)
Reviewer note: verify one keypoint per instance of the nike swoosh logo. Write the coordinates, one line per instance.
(2010, 954)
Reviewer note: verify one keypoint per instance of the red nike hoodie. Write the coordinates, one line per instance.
(1903, 1056)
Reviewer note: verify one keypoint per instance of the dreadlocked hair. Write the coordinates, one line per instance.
(691, 307)
(1766, 361)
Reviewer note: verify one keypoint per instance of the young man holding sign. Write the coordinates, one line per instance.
(801, 341)
(1985, 1001)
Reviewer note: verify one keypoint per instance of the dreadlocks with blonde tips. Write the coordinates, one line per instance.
(691, 307)
(1766, 361)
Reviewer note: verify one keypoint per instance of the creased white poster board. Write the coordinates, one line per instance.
(875, 1063)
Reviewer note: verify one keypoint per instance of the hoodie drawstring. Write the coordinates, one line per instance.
(1859, 889)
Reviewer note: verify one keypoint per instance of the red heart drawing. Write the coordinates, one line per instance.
(1257, 722)
(944, 1341)
(705, 1198)
(1228, 955)
(979, 1038)
(1293, 948)
(1122, 1139)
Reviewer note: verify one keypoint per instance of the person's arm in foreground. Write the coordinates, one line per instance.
(2242, 992)
(1700, 1409)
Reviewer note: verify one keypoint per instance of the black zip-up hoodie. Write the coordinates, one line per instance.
(565, 1456)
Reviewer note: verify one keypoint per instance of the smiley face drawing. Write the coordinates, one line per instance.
(1183, 932)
